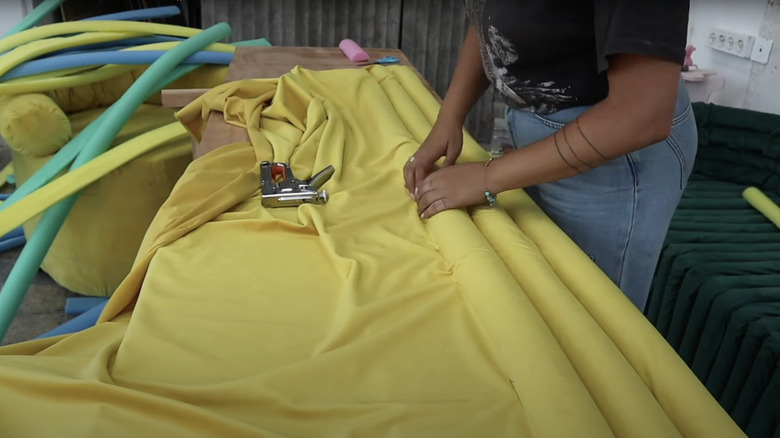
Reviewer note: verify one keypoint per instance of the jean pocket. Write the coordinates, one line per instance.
(552, 124)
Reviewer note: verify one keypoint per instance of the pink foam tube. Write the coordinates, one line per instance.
(353, 51)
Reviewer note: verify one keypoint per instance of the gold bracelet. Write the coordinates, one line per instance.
(491, 198)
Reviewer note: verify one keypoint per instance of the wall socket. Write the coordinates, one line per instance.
(742, 45)
(733, 43)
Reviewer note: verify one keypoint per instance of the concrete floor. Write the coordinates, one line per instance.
(43, 307)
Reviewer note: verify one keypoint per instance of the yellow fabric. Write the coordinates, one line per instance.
(353, 318)
(761, 202)
(95, 248)
(32, 124)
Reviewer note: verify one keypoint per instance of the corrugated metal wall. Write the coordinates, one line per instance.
(429, 32)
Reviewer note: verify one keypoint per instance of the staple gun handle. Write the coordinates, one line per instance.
(321, 177)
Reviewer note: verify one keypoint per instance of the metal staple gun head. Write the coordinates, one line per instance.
(282, 189)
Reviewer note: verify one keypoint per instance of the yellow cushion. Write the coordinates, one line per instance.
(96, 246)
(33, 124)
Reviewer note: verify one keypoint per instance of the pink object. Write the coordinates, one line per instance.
(353, 51)
(688, 52)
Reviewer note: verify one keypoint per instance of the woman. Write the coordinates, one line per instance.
(604, 134)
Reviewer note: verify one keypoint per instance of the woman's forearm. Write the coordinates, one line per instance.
(637, 113)
(468, 81)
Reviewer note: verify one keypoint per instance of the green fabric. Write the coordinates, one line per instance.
(758, 378)
(765, 420)
(747, 290)
(702, 275)
(755, 336)
(737, 118)
(716, 292)
(738, 145)
(740, 227)
(720, 217)
(700, 311)
(736, 332)
(712, 204)
(707, 323)
(716, 237)
(669, 275)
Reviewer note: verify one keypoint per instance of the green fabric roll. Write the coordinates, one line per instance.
(767, 361)
(765, 422)
(702, 312)
(699, 275)
(748, 175)
(739, 292)
(755, 336)
(664, 289)
(713, 204)
(708, 114)
(716, 237)
(720, 216)
(728, 227)
(734, 336)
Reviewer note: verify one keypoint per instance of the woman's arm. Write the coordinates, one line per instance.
(446, 138)
(468, 82)
(637, 112)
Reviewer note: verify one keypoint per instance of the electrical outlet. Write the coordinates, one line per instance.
(762, 48)
(732, 43)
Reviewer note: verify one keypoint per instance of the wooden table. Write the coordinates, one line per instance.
(268, 62)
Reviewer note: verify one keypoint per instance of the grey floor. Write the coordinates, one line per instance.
(43, 308)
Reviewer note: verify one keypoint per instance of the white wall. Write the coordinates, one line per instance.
(747, 83)
(12, 12)
(764, 88)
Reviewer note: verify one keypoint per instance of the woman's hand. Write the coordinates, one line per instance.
(444, 140)
(456, 186)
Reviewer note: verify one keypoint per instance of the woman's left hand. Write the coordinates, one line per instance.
(451, 187)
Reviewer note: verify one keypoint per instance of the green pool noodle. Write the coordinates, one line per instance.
(39, 13)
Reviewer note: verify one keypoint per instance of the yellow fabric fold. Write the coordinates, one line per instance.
(353, 318)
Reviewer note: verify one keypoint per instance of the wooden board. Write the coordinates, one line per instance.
(268, 62)
(272, 62)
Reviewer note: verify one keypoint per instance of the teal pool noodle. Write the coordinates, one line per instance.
(156, 77)
(39, 13)
(140, 14)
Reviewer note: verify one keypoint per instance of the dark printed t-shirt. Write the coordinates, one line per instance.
(547, 55)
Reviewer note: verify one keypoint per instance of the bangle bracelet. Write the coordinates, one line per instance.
(491, 198)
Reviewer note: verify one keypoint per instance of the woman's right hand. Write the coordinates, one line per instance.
(444, 140)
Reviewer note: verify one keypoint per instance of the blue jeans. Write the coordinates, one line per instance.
(618, 213)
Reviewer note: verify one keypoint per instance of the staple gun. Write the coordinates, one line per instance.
(282, 189)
